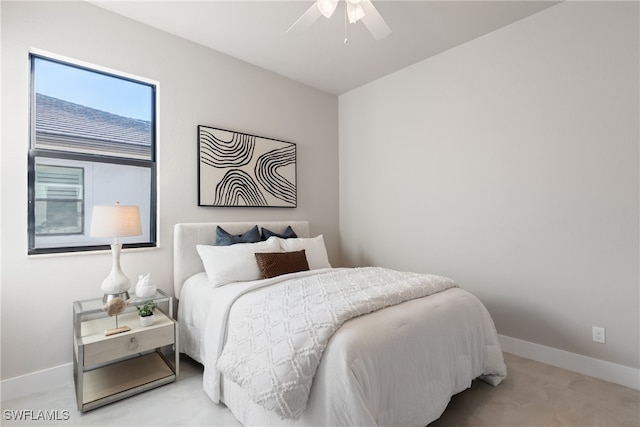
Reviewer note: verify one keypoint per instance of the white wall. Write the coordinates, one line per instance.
(510, 163)
(197, 86)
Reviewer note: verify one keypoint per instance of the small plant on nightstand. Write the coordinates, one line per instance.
(145, 311)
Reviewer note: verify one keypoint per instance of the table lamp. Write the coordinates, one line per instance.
(115, 221)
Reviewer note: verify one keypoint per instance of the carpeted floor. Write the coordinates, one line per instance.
(535, 394)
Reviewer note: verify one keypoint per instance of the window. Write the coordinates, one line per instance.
(92, 143)
(59, 204)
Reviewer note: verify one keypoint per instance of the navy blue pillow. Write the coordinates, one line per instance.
(223, 238)
(287, 234)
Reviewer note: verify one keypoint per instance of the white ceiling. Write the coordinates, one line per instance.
(254, 31)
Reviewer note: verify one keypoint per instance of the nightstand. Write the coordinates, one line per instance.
(110, 368)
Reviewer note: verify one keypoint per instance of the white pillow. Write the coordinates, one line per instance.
(235, 263)
(314, 248)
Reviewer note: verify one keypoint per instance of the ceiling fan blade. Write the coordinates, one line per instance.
(306, 20)
(373, 21)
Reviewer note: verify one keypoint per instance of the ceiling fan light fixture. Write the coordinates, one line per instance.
(327, 7)
(355, 12)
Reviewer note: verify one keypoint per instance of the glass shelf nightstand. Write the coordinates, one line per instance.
(110, 368)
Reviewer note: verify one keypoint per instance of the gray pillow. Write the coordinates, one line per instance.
(287, 234)
(223, 238)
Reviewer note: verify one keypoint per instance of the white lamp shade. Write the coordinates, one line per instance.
(116, 221)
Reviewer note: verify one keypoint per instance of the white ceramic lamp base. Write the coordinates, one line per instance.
(116, 284)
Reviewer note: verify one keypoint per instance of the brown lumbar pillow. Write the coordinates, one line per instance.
(272, 264)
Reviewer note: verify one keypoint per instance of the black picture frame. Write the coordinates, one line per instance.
(237, 169)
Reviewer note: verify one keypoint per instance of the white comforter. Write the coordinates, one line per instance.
(274, 351)
(396, 366)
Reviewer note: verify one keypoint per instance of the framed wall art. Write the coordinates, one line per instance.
(238, 169)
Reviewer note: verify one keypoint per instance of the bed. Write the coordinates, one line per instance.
(397, 363)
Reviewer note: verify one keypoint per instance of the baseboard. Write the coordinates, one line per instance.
(47, 379)
(36, 382)
(607, 371)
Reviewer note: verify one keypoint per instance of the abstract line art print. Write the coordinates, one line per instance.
(237, 169)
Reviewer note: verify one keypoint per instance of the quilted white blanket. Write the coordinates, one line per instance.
(275, 351)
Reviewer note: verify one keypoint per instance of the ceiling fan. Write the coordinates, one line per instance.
(356, 10)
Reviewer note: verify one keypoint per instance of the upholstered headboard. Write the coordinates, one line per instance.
(187, 262)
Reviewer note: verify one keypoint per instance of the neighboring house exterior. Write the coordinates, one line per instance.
(64, 125)
(64, 187)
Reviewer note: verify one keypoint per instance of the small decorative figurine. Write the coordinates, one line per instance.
(113, 308)
(145, 288)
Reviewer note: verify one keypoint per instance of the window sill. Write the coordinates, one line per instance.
(94, 252)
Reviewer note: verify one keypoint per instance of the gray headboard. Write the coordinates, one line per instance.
(186, 261)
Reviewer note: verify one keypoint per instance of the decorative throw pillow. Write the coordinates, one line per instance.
(234, 263)
(224, 238)
(314, 248)
(287, 234)
(272, 264)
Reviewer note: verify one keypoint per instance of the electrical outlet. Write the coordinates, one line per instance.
(598, 334)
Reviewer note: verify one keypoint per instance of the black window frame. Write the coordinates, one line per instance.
(34, 153)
